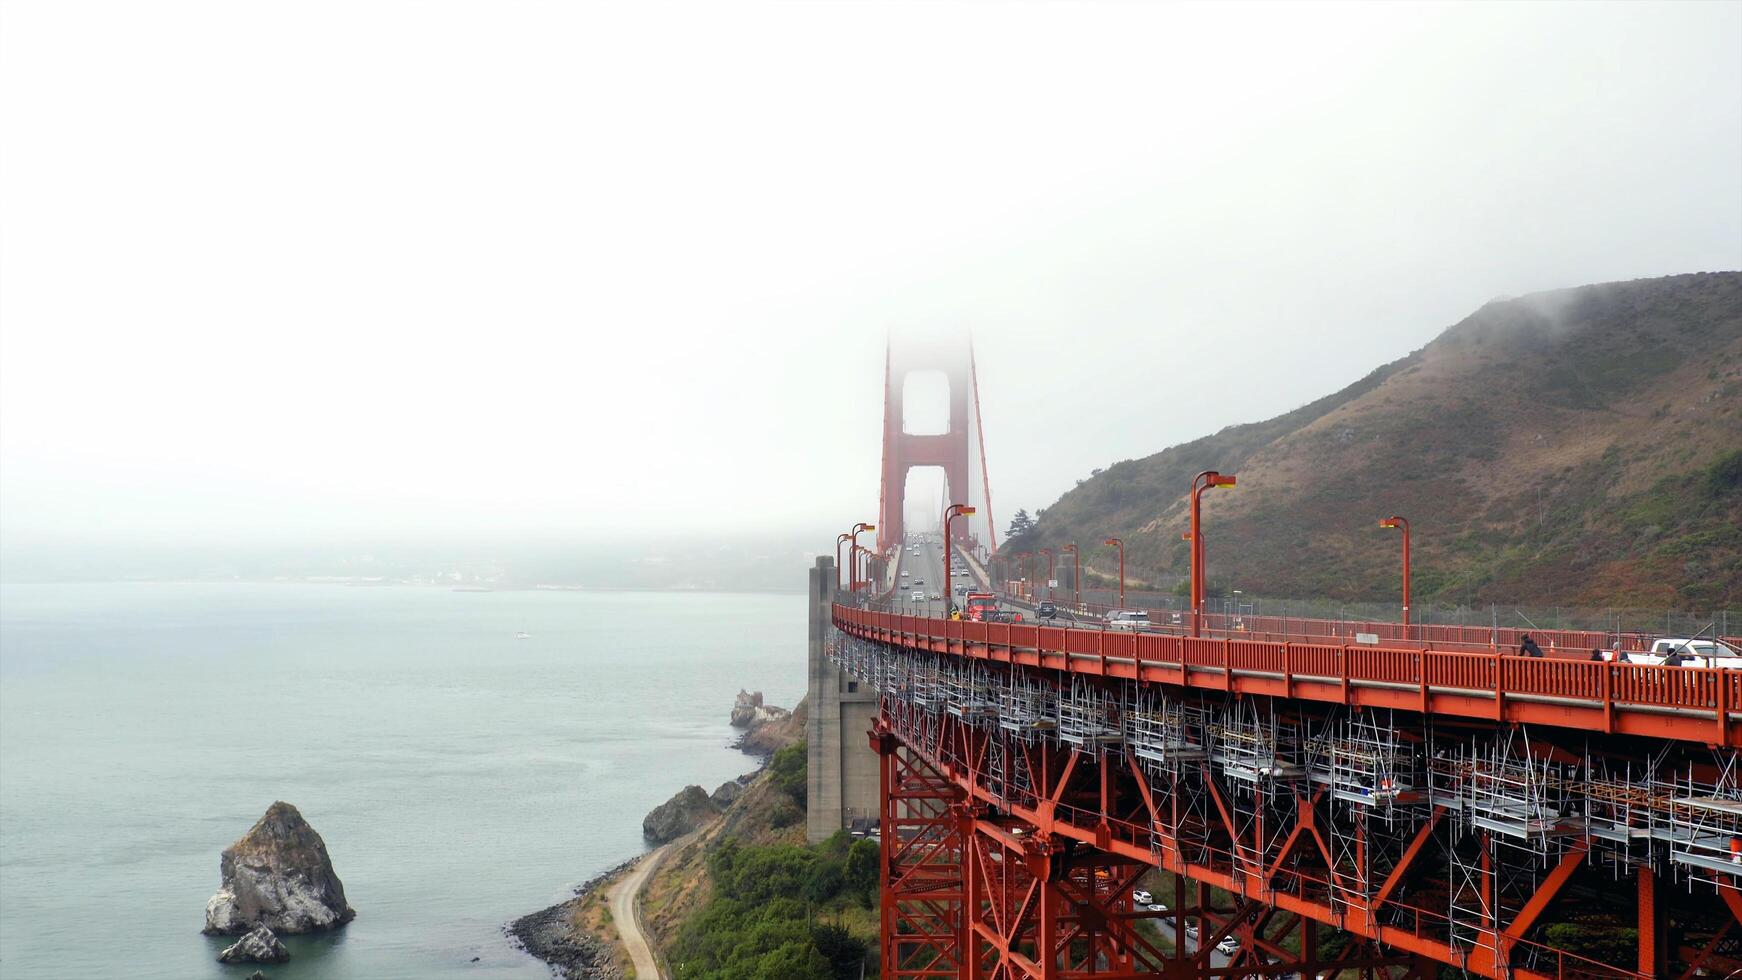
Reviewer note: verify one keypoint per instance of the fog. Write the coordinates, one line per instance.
(338, 271)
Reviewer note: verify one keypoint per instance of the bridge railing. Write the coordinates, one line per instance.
(1438, 625)
(1713, 693)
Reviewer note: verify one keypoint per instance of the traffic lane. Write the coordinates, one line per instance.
(1166, 927)
(925, 577)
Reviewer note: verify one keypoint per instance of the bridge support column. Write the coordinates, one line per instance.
(841, 780)
(1653, 926)
(922, 903)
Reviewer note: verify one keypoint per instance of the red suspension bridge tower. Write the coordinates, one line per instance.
(954, 448)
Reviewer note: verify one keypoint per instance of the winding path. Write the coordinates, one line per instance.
(626, 915)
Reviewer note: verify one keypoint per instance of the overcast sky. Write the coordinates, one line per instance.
(285, 269)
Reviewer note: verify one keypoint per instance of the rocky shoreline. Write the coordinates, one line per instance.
(556, 935)
(550, 934)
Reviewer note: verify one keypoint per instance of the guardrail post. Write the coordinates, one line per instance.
(1723, 706)
(1343, 670)
(1608, 692)
(1421, 674)
(1499, 687)
(1287, 671)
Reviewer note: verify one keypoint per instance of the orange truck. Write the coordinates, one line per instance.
(977, 605)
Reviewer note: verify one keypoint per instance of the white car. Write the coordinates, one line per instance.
(935, 596)
(1157, 907)
(1128, 619)
(1141, 897)
(917, 597)
(1689, 653)
(1228, 946)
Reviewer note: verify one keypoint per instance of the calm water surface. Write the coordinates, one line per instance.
(460, 776)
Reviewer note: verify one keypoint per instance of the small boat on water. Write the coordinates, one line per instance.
(523, 635)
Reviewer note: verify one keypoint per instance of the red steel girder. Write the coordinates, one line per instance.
(1072, 816)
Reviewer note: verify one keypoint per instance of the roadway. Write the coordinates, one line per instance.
(625, 903)
(926, 576)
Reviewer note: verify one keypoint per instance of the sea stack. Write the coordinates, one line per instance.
(278, 875)
(259, 946)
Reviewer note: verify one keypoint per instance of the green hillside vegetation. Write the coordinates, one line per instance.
(782, 911)
(1578, 447)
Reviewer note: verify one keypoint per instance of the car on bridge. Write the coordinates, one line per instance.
(1685, 652)
(917, 597)
(1046, 610)
(1128, 619)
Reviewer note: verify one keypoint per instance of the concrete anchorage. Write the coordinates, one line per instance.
(842, 774)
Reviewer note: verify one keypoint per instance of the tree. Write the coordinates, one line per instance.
(788, 767)
(862, 872)
(1020, 525)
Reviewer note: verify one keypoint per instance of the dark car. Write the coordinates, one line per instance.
(1046, 610)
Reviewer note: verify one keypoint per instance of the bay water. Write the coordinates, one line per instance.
(461, 775)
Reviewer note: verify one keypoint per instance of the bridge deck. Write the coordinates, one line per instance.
(1681, 703)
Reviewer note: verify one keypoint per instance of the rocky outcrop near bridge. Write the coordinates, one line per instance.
(683, 813)
(277, 875)
(728, 793)
(750, 712)
(258, 946)
(766, 727)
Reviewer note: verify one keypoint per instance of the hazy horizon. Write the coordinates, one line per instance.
(343, 273)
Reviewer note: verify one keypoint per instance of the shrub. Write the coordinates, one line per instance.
(789, 771)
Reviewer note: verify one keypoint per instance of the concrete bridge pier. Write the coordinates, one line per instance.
(842, 776)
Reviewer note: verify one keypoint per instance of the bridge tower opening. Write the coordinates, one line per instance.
(931, 418)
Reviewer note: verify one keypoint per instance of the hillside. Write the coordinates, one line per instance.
(1575, 447)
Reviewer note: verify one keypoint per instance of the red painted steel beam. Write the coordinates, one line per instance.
(1053, 819)
(1627, 699)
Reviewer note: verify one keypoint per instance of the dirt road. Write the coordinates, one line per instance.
(626, 915)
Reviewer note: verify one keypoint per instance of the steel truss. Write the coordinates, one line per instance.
(1419, 845)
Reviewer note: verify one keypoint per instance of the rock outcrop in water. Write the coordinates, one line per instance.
(258, 946)
(685, 812)
(278, 875)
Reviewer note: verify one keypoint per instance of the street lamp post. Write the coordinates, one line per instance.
(1120, 544)
(1403, 524)
(1076, 574)
(951, 512)
(853, 581)
(840, 566)
(1026, 572)
(1203, 481)
(1049, 556)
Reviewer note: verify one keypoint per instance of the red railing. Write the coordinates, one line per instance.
(1571, 643)
(1604, 696)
